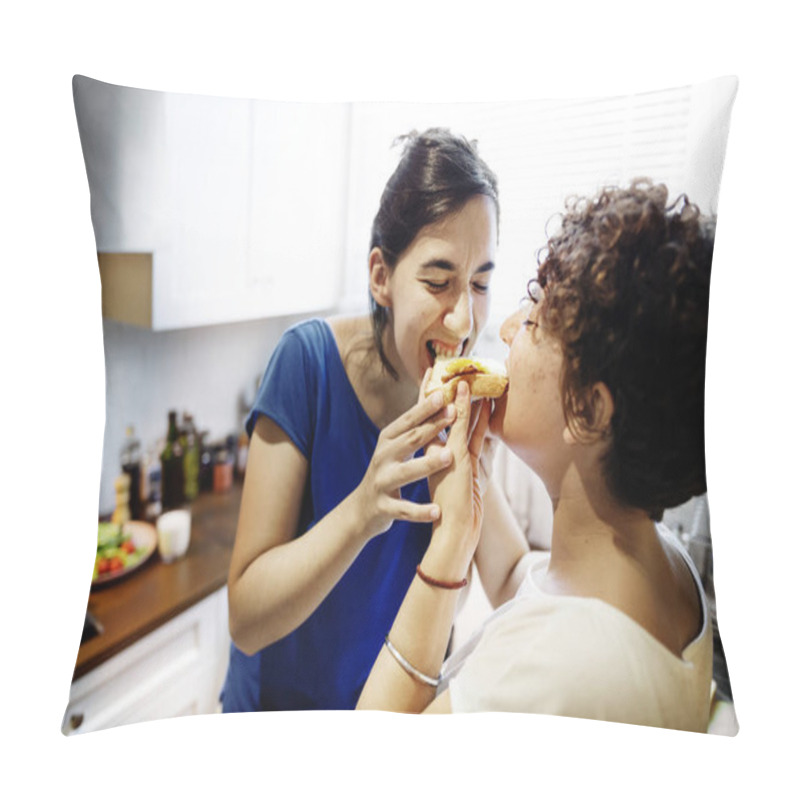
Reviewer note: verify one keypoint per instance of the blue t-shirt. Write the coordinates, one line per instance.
(324, 663)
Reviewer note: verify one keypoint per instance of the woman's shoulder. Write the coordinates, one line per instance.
(350, 332)
(313, 332)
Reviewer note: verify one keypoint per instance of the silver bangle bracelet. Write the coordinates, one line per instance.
(410, 668)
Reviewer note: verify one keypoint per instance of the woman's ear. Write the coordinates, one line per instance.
(593, 423)
(602, 409)
(379, 275)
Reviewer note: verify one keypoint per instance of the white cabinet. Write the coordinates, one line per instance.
(200, 262)
(176, 670)
(298, 205)
(122, 134)
(210, 210)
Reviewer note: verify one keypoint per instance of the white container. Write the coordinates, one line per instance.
(174, 532)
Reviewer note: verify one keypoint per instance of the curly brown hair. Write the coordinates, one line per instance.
(626, 282)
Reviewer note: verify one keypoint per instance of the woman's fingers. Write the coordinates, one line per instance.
(459, 432)
(462, 401)
(436, 458)
(481, 426)
(403, 445)
(415, 415)
(414, 512)
(425, 378)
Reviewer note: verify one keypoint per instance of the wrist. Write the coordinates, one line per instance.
(354, 521)
(448, 556)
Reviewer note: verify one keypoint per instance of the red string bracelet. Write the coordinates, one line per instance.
(440, 584)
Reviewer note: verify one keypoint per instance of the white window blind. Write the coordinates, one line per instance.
(542, 152)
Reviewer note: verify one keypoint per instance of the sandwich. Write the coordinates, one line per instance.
(486, 378)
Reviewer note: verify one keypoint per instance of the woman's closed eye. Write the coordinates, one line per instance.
(436, 286)
(441, 286)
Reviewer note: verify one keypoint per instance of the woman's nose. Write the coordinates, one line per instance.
(459, 318)
(508, 330)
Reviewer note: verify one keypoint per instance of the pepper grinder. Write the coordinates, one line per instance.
(122, 512)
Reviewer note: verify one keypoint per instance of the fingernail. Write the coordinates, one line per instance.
(445, 456)
(450, 412)
(435, 512)
(437, 398)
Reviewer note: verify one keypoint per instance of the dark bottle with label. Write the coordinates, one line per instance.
(131, 460)
(172, 480)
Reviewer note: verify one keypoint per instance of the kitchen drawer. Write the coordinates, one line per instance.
(175, 670)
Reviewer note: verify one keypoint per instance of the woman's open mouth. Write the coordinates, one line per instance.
(437, 349)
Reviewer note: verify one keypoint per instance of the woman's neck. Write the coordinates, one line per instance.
(383, 397)
(592, 531)
(603, 550)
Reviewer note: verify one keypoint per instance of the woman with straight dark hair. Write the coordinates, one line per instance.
(336, 512)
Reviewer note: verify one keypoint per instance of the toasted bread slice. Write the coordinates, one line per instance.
(486, 378)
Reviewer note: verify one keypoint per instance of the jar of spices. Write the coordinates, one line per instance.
(223, 470)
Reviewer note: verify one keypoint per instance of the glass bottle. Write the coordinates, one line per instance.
(131, 461)
(191, 457)
(172, 480)
(152, 480)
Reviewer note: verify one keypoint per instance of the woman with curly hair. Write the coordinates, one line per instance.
(606, 370)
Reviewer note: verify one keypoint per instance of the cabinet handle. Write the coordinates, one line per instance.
(75, 721)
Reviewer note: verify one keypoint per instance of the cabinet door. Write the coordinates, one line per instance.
(177, 669)
(199, 269)
(122, 137)
(238, 206)
(298, 206)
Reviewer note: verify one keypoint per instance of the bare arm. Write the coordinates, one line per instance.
(277, 580)
(422, 627)
(501, 546)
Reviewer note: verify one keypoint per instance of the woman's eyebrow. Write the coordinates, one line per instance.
(439, 263)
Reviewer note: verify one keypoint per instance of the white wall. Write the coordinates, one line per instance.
(211, 372)
(542, 151)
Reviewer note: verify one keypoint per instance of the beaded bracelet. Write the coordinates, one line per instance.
(410, 668)
(440, 584)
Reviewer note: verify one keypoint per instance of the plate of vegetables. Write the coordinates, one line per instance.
(121, 549)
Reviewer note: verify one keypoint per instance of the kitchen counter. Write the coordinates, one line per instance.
(156, 592)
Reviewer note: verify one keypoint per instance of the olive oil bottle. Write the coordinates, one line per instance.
(190, 442)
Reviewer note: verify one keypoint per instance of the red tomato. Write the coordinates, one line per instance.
(116, 563)
(128, 546)
(103, 565)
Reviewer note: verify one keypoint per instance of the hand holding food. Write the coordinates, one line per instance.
(393, 465)
(458, 491)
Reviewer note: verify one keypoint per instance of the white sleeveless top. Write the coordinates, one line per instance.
(581, 657)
